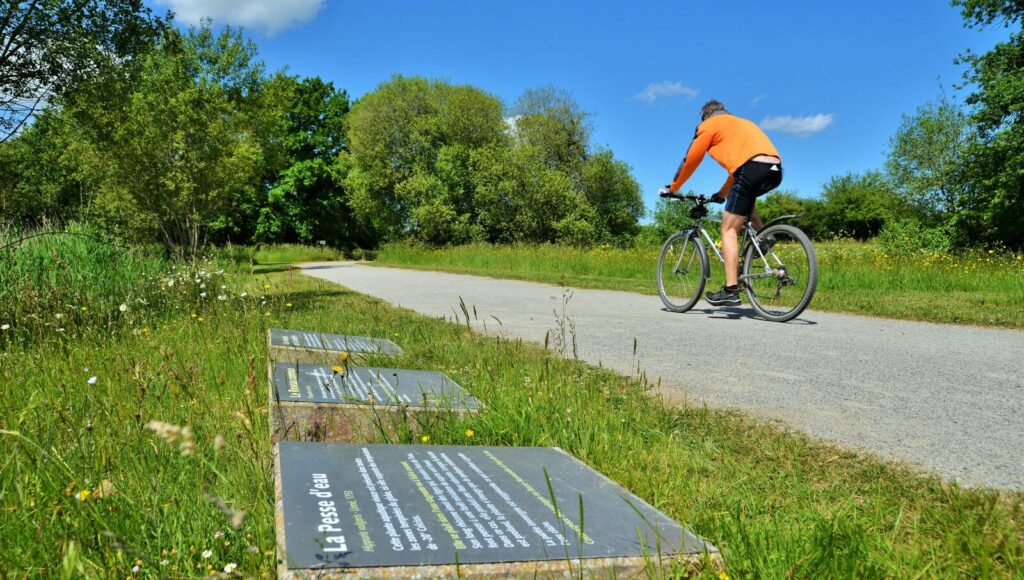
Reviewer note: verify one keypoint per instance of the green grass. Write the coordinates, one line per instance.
(856, 277)
(777, 503)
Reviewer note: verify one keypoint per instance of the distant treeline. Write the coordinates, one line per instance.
(187, 140)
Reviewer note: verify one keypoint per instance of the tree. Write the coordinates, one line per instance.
(926, 157)
(553, 122)
(995, 162)
(306, 200)
(412, 140)
(47, 47)
(859, 205)
(609, 188)
(182, 143)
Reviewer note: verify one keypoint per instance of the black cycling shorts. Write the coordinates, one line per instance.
(752, 179)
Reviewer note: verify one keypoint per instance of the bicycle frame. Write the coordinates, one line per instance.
(749, 234)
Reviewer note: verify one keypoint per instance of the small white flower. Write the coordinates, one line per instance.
(60, 330)
(123, 308)
(230, 568)
(5, 326)
(223, 287)
(218, 534)
(135, 569)
(222, 298)
(59, 316)
(164, 562)
(91, 381)
(207, 554)
(202, 294)
(243, 294)
(202, 286)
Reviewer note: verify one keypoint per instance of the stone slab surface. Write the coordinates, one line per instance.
(312, 383)
(362, 507)
(333, 343)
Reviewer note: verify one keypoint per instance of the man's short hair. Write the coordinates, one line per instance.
(710, 108)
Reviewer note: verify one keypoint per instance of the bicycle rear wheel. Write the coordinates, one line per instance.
(780, 284)
(681, 267)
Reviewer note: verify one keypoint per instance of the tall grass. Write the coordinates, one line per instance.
(975, 287)
(72, 281)
(776, 503)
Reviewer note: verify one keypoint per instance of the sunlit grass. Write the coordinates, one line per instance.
(978, 287)
(91, 486)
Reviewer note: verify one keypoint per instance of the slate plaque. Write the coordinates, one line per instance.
(367, 506)
(311, 383)
(301, 339)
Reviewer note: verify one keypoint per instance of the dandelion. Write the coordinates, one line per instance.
(194, 315)
(207, 554)
(425, 438)
(84, 495)
(92, 380)
(469, 432)
(123, 308)
(84, 308)
(230, 568)
(343, 356)
(200, 319)
(722, 575)
(289, 305)
(338, 370)
(266, 286)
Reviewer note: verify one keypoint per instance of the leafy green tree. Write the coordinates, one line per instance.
(184, 141)
(926, 156)
(994, 162)
(553, 122)
(809, 212)
(306, 200)
(859, 205)
(411, 141)
(609, 188)
(47, 47)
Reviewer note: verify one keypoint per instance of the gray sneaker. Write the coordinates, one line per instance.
(723, 298)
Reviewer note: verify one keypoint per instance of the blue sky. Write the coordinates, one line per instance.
(829, 81)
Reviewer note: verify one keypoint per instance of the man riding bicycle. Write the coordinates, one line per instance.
(754, 167)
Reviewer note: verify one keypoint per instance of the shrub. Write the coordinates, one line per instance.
(906, 237)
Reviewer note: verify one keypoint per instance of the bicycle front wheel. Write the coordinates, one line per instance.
(781, 282)
(681, 270)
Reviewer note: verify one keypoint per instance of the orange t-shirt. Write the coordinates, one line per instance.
(730, 140)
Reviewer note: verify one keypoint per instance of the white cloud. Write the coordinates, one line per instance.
(655, 91)
(754, 102)
(268, 16)
(802, 126)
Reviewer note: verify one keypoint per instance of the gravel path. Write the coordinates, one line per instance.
(949, 398)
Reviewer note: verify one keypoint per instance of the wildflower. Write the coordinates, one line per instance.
(266, 286)
(425, 438)
(243, 294)
(343, 356)
(60, 330)
(266, 313)
(84, 495)
(218, 534)
(338, 370)
(164, 562)
(289, 305)
(135, 569)
(92, 380)
(222, 297)
(200, 319)
(5, 327)
(722, 575)
(104, 490)
(202, 294)
(59, 316)
(84, 308)
(207, 554)
(230, 568)
(469, 432)
(223, 287)
(194, 315)
(123, 308)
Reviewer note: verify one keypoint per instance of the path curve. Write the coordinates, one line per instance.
(949, 398)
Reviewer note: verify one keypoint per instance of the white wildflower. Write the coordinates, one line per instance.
(202, 294)
(218, 534)
(207, 554)
(223, 287)
(222, 297)
(92, 380)
(135, 569)
(243, 294)
(230, 568)
(123, 308)
(5, 326)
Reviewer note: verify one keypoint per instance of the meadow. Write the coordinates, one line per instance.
(138, 446)
(979, 287)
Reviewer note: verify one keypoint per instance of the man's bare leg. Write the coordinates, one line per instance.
(731, 224)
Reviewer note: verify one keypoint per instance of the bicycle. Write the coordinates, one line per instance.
(778, 266)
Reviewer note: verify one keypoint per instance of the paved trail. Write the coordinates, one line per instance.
(949, 398)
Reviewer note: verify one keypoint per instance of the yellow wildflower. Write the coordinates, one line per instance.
(84, 495)
(343, 356)
(425, 438)
(338, 370)
(469, 432)
(289, 305)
